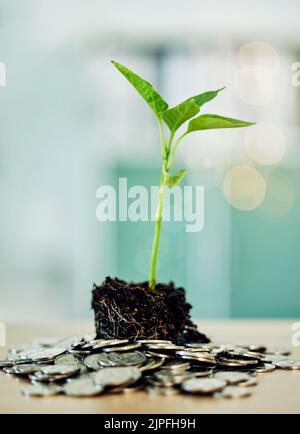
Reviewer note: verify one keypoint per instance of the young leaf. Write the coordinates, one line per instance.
(205, 97)
(207, 122)
(176, 116)
(173, 180)
(145, 89)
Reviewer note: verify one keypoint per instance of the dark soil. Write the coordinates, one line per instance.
(133, 310)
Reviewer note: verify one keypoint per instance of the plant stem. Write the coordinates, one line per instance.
(162, 138)
(174, 150)
(166, 149)
(156, 241)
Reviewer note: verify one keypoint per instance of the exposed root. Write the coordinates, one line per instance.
(129, 310)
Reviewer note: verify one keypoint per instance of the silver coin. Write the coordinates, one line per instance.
(197, 354)
(133, 358)
(164, 347)
(6, 364)
(10, 371)
(203, 385)
(78, 352)
(128, 347)
(68, 359)
(197, 350)
(87, 346)
(98, 341)
(288, 364)
(232, 377)
(42, 390)
(158, 354)
(93, 361)
(235, 363)
(200, 360)
(235, 392)
(199, 347)
(42, 354)
(241, 354)
(268, 367)
(116, 376)
(249, 383)
(172, 378)
(26, 369)
(60, 369)
(202, 373)
(17, 361)
(151, 364)
(82, 387)
(176, 365)
(153, 341)
(103, 360)
(255, 355)
(109, 343)
(40, 377)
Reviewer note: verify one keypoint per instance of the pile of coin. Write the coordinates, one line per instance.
(85, 366)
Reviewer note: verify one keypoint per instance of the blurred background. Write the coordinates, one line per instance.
(70, 123)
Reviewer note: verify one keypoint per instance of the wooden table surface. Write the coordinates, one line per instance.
(277, 392)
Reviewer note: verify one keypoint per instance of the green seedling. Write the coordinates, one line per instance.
(173, 118)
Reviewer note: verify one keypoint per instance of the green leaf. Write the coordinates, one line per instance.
(205, 97)
(208, 122)
(145, 89)
(176, 116)
(174, 180)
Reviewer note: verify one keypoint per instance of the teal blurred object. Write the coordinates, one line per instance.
(243, 264)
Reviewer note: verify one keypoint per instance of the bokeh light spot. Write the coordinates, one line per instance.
(265, 143)
(244, 187)
(254, 85)
(259, 54)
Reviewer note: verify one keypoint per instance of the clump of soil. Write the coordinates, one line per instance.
(133, 310)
